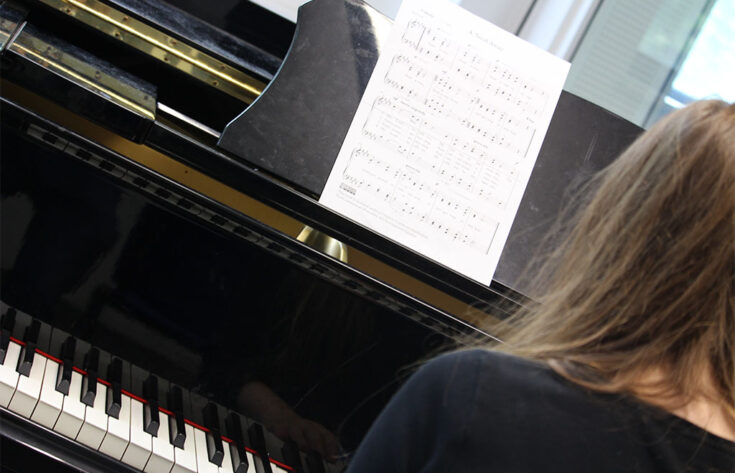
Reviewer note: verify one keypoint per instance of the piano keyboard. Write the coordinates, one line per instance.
(90, 396)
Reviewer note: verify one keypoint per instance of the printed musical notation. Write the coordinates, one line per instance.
(446, 136)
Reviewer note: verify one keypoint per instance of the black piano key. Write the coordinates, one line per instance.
(89, 382)
(25, 362)
(291, 456)
(44, 338)
(233, 430)
(114, 393)
(240, 462)
(257, 441)
(63, 379)
(177, 427)
(22, 322)
(63, 376)
(138, 379)
(4, 344)
(151, 415)
(314, 463)
(215, 447)
(7, 326)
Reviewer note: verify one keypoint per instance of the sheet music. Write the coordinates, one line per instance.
(445, 138)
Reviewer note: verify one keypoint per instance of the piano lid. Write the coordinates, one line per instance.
(294, 129)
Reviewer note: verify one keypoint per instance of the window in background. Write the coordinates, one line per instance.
(708, 68)
(639, 59)
(643, 58)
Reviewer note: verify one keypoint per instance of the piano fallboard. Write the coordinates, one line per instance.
(100, 248)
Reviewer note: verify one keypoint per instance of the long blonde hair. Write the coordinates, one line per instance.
(645, 278)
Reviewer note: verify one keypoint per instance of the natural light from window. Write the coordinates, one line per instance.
(709, 69)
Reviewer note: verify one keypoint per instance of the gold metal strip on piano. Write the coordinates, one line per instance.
(87, 76)
(161, 46)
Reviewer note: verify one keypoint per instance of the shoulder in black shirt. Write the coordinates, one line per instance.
(482, 411)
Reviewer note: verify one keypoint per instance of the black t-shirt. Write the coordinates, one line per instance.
(480, 411)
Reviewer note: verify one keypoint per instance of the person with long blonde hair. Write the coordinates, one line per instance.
(625, 362)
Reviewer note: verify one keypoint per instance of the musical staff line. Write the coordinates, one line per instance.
(446, 135)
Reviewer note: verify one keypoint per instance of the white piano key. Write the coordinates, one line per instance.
(28, 389)
(72, 412)
(203, 463)
(94, 426)
(251, 462)
(139, 448)
(8, 375)
(51, 401)
(162, 457)
(118, 432)
(227, 460)
(185, 459)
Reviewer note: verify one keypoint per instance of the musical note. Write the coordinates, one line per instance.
(445, 136)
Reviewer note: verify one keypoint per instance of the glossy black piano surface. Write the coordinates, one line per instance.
(212, 311)
(107, 243)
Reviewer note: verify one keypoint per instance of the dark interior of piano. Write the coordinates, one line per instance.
(151, 246)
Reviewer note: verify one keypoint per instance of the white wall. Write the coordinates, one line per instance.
(507, 14)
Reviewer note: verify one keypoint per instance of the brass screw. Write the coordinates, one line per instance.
(215, 83)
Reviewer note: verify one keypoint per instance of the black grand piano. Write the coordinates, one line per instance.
(174, 298)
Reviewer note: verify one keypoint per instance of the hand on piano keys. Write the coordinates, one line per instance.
(130, 415)
(257, 398)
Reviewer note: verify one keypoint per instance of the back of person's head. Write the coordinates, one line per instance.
(645, 279)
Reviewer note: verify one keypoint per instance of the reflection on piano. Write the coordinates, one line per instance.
(159, 312)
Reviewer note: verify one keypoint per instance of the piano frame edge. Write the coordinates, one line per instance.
(16, 116)
(57, 447)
